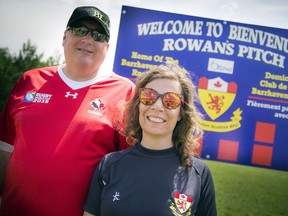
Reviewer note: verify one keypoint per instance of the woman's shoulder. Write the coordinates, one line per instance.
(200, 166)
(114, 157)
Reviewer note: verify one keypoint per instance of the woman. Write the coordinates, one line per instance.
(160, 174)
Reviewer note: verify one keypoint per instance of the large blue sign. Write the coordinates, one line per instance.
(240, 71)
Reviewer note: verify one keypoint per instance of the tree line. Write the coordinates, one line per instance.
(13, 66)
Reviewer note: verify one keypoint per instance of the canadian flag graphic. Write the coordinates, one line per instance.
(182, 201)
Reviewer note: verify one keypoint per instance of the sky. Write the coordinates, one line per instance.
(44, 22)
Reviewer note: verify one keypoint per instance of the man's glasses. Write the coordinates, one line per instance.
(83, 31)
(170, 100)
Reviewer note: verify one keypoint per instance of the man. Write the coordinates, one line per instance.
(62, 121)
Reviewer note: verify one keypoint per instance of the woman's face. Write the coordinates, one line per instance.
(155, 120)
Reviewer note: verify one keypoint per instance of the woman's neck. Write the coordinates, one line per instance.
(157, 142)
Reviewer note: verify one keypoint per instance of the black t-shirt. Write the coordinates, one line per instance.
(139, 181)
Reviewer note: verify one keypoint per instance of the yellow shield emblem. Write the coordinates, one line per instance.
(216, 95)
(182, 202)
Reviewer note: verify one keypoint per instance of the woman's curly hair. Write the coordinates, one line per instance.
(187, 132)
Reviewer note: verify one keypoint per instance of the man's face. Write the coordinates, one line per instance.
(84, 50)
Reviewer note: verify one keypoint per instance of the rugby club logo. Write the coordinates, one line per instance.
(216, 97)
(183, 204)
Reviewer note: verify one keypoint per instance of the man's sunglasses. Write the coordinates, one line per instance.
(170, 100)
(83, 31)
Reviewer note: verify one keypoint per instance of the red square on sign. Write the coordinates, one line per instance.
(264, 132)
(262, 155)
(228, 150)
(198, 150)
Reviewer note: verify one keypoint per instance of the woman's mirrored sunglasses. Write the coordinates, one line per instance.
(83, 31)
(170, 100)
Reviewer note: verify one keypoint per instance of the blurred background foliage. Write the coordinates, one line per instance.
(13, 66)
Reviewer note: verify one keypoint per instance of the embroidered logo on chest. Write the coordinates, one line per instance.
(37, 97)
(97, 105)
(74, 96)
(182, 203)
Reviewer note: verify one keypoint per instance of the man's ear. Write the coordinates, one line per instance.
(64, 37)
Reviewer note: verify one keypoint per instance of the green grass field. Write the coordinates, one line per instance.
(249, 191)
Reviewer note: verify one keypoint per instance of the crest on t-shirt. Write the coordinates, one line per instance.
(97, 105)
(36, 97)
(182, 203)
